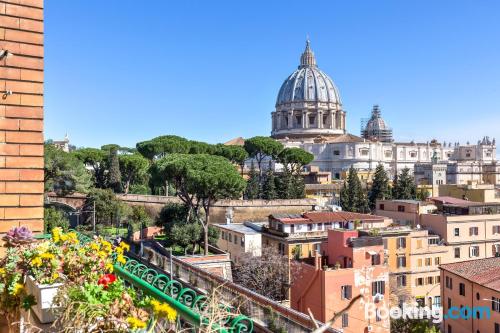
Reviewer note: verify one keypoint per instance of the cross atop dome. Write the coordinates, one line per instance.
(307, 58)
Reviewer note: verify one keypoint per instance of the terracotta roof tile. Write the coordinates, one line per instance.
(485, 272)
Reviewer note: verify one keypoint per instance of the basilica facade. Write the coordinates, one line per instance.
(309, 114)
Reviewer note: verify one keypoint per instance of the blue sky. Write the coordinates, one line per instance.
(122, 71)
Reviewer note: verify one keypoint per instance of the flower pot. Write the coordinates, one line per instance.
(44, 295)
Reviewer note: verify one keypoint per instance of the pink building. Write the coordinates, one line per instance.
(350, 266)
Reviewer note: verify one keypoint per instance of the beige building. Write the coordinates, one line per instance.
(473, 284)
(404, 212)
(413, 257)
(471, 229)
(472, 191)
(237, 239)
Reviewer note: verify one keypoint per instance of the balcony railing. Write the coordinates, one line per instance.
(189, 304)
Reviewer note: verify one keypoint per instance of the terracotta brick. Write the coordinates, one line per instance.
(30, 175)
(9, 174)
(13, 47)
(2, 110)
(31, 100)
(23, 112)
(2, 32)
(9, 149)
(23, 162)
(9, 124)
(31, 25)
(23, 212)
(23, 187)
(31, 75)
(10, 22)
(7, 225)
(10, 99)
(9, 200)
(30, 125)
(32, 50)
(10, 73)
(2, 136)
(32, 3)
(31, 200)
(23, 11)
(25, 62)
(31, 150)
(23, 137)
(33, 225)
(2, 8)
(24, 87)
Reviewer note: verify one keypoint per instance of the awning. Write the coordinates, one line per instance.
(373, 253)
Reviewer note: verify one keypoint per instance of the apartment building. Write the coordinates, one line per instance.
(413, 257)
(404, 212)
(237, 238)
(351, 266)
(471, 288)
(301, 235)
(470, 229)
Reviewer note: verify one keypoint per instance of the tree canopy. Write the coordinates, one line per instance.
(380, 186)
(162, 145)
(132, 168)
(404, 187)
(352, 195)
(294, 159)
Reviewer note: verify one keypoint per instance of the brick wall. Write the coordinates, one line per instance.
(21, 114)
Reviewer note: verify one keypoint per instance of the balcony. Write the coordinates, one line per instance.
(145, 297)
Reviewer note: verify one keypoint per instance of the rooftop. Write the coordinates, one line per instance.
(238, 227)
(325, 217)
(485, 272)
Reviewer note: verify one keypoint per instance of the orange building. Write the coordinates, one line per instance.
(351, 266)
(21, 114)
(471, 288)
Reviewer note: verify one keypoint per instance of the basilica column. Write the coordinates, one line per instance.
(320, 119)
(304, 119)
(290, 119)
(306, 113)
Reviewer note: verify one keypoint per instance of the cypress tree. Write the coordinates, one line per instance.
(269, 188)
(253, 188)
(298, 187)
(380, 186)
(114, 175)
(352, 195)
(284, 185)
(405, 185)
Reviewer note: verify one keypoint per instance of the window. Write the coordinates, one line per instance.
(419, 282)
(401, 280)
(437, 279)
(449, 282)
(320, 226)
(433, 241)
(413, 154)
(292, 228)
(449, 329)
(437, 261)
(401, 208)
(346, 292)
(381, 206)
(497, 328)
(495, 251)
(457, 252)
(230, 237)
(428, 261)
(242, 242)
(473, 231)
(364, 152)
(496, 229)
(461, 289)
(474, 251)
(378, 287)
(223, 235)
(401, 261)
(495, 304)
(281, 248)
(401, 243)
(437, 301)
(345, 320)
(477, 296)
(456, 232)
(310, 227)
(419, 262)
(430, 280)
(376, 259)
(388, 153)
(235, 239)
(449, 302)
(336, 152)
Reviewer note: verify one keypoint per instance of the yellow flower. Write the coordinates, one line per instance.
(94, 246)
(121, 259)
(124, 246)
(55, 276)
(2, 271)
(18, 288)
(119, 250)
(56, 234)
(102, 254)
(164, 310)
(37, 262)
(109, 267)
(135, 323)
(106, 245)
(47, 255)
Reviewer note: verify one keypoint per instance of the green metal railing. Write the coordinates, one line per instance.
(188, 303)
